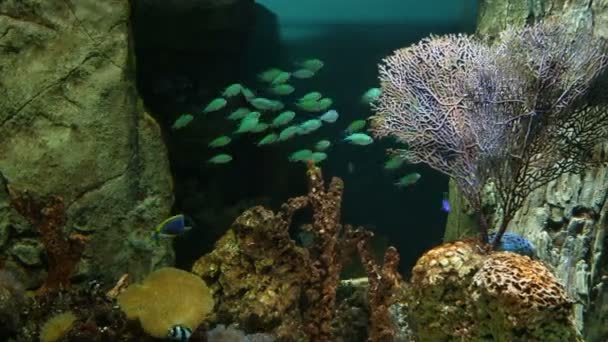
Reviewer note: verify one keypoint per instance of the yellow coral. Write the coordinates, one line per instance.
(451, 262)
(167, 297)
(57, 327)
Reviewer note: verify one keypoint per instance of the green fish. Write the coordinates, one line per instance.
(238, 114)
(281, 78)
(371, 95)
(282, 89)
(355, 126)
(314, 105)
(288, 132)
(303, 73)
(269, 74)
(261, 103)
(318, 157)
(268, 139)
(277, 106)
(309, 105)
(232, 90)
(408, 180)
(283, 118)
(215, 105)
(247, 93)
(359, 139)
(260, 127)
(325, 103)
(314, 96)
(313, 64)
(248, 123)
(220, 159)
(394, 162)
(309, 126)
(301, 155)
(220, 141)
(182, 121)
(322, 145)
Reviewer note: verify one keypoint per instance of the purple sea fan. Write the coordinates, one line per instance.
(516, 114)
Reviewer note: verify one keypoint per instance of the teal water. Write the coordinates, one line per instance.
(351, 37)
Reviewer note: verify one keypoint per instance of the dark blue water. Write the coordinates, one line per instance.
(351, 46)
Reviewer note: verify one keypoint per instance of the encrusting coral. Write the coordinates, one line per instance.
(166, 298)
(49, 216)
(439, 282)
(461, 291)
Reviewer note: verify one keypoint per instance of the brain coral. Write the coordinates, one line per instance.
(459, 291)
(167, 297)
(440, 280)
(519, 294)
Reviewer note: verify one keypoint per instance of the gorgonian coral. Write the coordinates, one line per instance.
(515, 114)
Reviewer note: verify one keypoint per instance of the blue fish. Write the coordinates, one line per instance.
(171, 227)
(445, 203)
(512, 242)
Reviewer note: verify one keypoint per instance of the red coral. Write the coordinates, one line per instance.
(48, 215)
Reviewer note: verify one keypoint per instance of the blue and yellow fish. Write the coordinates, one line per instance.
(171, 227)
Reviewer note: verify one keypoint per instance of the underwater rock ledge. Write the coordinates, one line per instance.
(72, 126)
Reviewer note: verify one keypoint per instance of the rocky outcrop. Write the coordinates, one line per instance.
(71, 125)
(566, 219)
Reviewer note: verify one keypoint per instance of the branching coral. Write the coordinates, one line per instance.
(48, 215)
(383, 281)
(331, 239)
(263, 280)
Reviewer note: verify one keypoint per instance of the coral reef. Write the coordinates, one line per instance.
(519, 294)
(461, 291)
(49, 216)
(263, 281)
(256, 272)
(73, 126)
(383, 282)
(440, 280)
(166, 298)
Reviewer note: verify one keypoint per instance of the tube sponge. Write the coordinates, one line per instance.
(166, 298)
